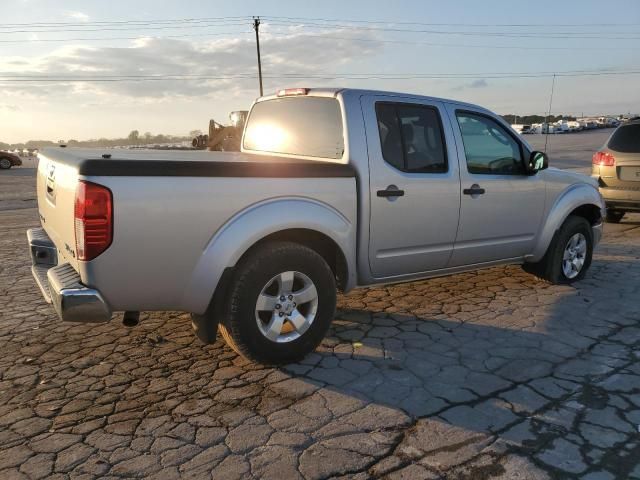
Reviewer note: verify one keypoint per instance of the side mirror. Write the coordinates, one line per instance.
(537, 161)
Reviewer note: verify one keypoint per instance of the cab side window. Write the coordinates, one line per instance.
(488, 147)
(411, 137)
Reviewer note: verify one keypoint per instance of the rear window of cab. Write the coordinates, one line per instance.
(626, 139)
(303, 126)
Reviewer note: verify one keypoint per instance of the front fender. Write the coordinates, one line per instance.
(573, 197)
(256, 222)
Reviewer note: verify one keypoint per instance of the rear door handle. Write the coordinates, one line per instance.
(391, 191)
(474, 190)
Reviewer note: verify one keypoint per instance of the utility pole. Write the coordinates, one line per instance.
(256, 27)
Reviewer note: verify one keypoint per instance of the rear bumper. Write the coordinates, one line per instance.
(61, 285)
(621, 198)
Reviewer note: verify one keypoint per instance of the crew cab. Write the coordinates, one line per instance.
(334, 189)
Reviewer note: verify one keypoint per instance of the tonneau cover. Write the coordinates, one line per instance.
(197, 163)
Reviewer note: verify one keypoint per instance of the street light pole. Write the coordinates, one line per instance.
(256, 27)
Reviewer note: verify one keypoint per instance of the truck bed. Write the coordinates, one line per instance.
(168, 208)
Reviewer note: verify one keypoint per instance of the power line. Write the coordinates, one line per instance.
(393, 22)
(546, 35)
(298, 74)
(120, 22)
(305, 19)
(284, 22)
(327, 37)
(453, 45)
(319, 76)
(139, 37)
(117, 29)
(321, 36)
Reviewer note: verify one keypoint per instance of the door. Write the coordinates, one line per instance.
(501, 205)
(414, 185)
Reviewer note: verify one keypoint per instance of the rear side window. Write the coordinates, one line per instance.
(305, 126)
(411, 137)
(626, 139)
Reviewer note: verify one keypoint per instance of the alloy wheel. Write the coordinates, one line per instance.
(286, 307)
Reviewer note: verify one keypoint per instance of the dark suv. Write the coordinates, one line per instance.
(617, 168)
(8, 160)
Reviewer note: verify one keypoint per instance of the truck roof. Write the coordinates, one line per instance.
(358, 92)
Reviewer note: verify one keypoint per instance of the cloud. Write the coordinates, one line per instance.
(208, 67)
(82, 17)
(479, 83)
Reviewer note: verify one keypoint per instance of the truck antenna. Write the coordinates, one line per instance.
(546, 138)
(256, 27)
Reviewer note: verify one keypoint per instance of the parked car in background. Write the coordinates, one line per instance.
(334, 188)
(8, 160)
(574, 126)
(522, 129)
(616, 166)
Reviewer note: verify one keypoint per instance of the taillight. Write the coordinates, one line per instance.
(93, 215)
(290, 92)
(604, 159)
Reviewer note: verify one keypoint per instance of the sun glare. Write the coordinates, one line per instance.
(267, 137)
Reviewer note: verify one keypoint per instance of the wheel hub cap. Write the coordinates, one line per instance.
(286, 307)
(574, 255)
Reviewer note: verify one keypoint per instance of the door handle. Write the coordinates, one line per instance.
(390, 191)
(474, 190)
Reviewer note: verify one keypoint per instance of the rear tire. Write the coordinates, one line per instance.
(272, 330)
(614, 216)
(569, 255)
(5, 163)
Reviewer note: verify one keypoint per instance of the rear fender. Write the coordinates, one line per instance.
(256, 222)
(573, 197)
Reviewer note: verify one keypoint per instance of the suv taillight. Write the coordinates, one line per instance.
(93, 215)
(604, 159)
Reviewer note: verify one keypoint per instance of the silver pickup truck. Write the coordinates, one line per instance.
(334, 189)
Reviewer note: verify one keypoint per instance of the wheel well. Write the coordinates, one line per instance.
(589, 212)
(318, 242)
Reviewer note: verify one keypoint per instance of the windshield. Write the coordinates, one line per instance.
(306, 126)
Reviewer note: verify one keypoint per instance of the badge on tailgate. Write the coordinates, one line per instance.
(51, 182)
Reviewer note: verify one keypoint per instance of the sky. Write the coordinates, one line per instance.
(92, 68)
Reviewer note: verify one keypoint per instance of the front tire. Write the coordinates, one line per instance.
(282, 299)
(569, 256)
(5, 163)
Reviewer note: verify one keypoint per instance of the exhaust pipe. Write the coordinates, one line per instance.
(131, 319)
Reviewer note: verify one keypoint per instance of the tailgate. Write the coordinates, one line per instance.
(56, 186)
(628, 168)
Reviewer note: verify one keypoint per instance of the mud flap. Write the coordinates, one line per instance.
(205, 326)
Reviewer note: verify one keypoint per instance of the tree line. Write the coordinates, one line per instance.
(134, 138)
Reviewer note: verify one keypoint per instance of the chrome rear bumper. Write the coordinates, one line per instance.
(61, 285)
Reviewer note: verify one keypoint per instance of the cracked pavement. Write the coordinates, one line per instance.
(486, 375)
